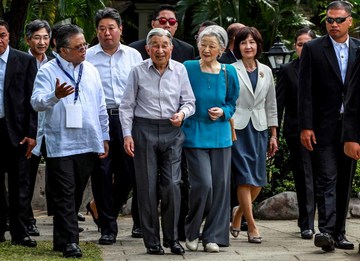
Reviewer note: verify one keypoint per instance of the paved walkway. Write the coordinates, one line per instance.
(281, 241)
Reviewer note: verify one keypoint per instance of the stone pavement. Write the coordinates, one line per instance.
(281, 241)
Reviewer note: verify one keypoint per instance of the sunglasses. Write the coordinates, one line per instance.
(338, 20)
(163, 20)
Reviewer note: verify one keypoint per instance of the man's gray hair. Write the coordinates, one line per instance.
(158, 32)
(218, 32)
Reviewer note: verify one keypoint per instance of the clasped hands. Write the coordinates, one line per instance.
(215, 113)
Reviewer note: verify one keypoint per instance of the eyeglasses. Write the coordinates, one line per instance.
(163, 20)
(82, 48)
(39, 37)
(338, 20)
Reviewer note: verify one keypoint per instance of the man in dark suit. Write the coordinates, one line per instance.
(165, 17)
(324, 72)
(37, 34)
(228, 56)
(300, 158)
(18, 125)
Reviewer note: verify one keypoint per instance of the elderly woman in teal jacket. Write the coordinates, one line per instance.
(208, 142)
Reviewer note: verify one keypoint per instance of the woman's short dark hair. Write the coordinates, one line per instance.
(242, 35)
(305, 30)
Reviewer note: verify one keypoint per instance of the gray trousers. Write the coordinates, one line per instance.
(158, 147)
(209, 176)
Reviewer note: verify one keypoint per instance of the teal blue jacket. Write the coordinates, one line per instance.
(210, 90)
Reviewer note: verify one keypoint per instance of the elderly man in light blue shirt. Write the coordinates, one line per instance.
(157, 99)
(69, 91)
(114, 179)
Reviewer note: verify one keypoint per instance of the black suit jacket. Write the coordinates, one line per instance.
(227, 57)
(21, 119)
(182, 51)
(351, 122)
(287, 98)
(321, 88)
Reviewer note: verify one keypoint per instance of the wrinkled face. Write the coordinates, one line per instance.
(165, 21)
(109, 33)
(248, 48)
(4, 39)
(159, 50)
(338, 30)
(39, 42)
(209, 48)
(300, 41)
(76, 50)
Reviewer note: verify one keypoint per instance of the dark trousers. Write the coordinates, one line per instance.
(66, 176)
(14, 162)
(112, 180)
(334, 172)
(301, 166)
(34, 165)
(158, 147)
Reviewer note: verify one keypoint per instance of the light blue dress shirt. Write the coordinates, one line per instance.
(3, 62)
(114, 70)
(61, 141)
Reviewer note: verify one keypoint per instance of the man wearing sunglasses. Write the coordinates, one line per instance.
(165, 17)
(324, 72)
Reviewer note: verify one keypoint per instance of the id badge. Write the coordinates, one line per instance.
(73, 116)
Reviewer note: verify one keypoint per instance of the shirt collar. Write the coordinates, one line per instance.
(5, 55)
(99, 49)
(170, 64)
(65, 64)
(340, 44)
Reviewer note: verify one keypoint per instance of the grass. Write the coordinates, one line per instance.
(43, 252)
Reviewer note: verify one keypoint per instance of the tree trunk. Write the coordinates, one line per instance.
(16, 17)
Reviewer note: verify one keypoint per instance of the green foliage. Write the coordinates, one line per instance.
(43, 252)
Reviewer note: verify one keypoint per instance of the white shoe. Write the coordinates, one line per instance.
(192, 245)
(211, 247)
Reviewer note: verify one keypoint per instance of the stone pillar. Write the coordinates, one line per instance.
(144, 11)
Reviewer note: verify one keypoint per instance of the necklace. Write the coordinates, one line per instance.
(250, 69)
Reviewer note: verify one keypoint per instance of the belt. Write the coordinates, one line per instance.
(113, 111)
(153, 121)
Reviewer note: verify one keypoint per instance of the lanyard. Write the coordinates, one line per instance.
(72, 79)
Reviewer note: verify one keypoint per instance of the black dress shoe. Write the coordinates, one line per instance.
(136, 232)
(175, 247)
(80, 217)
(342, 242)
(72, 250)
(155, 250)
(325, 241)
(33, 230)
(26, 241)
(107, 239)
(307, 234)
(2, 238)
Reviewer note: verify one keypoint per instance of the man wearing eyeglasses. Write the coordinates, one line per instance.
(37, 35)
(18, 124)
(68, 90)
(165, 17)
(324, 72)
